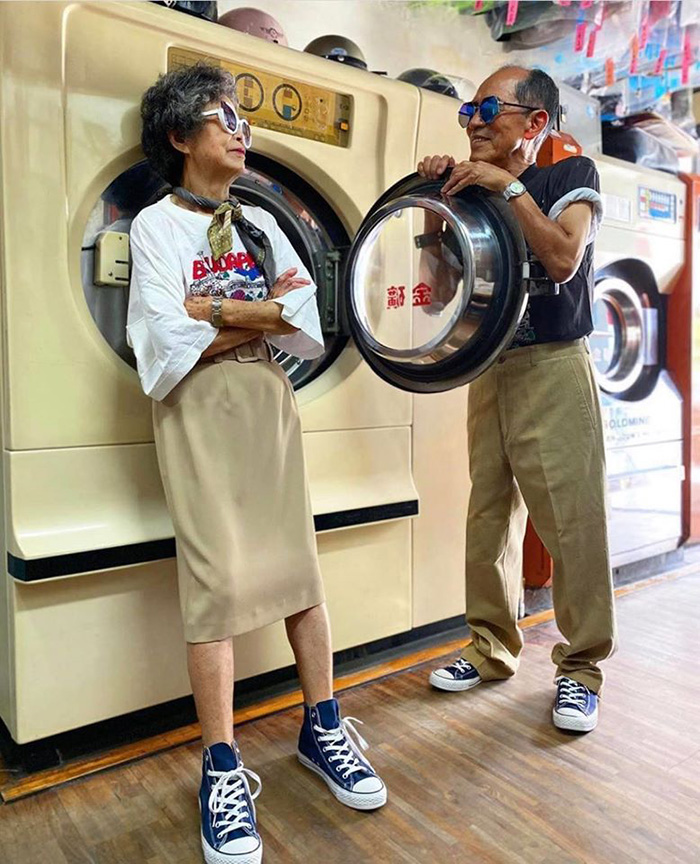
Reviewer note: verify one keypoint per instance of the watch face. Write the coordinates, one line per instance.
(514, 189)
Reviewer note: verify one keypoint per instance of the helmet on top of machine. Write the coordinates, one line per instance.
(448, 85)
(337, 48)
(255, 22)
(206, 9)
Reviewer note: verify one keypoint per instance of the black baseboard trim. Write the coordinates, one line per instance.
(38, 569)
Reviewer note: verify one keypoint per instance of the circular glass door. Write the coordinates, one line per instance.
(435, 286)
(617, 340)
(310, 224)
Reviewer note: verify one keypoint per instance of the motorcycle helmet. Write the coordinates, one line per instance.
(256, 23)
(199, 8)
(337, 48)
(429, 79)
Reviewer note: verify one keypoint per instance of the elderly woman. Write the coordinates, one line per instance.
(214, 284)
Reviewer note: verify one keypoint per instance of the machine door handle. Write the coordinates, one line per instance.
(650, 337)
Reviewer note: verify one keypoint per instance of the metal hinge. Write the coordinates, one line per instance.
(329, 299)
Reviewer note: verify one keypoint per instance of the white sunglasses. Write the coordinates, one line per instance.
(231, 122)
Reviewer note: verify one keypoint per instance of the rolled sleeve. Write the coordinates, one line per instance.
(300, 310)
(581, 194)
(573, 180)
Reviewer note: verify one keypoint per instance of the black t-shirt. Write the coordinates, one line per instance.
(567, 315)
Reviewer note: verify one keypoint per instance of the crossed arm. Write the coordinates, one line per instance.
(243, 321)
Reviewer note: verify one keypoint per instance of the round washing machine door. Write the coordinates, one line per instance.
(311, 225)
(624, 342)
(319, 239)
(435, 286)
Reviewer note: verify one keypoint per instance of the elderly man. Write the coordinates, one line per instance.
(535, 431)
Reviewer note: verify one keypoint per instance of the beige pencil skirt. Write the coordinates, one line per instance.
(229, 447)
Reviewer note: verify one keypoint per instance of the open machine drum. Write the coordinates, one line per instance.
(435, 286)
(311, 225)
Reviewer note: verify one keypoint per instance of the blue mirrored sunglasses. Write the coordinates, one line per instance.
(489, 108)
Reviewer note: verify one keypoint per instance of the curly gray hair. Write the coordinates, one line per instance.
(175, 104)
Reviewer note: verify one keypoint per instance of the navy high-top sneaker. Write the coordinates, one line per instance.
(459, 675)
(229, 834)
(576, 707)
(327, 746)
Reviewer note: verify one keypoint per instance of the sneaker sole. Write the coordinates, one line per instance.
(575, 724)
(211, 856)
(451, 685)
(355, 800)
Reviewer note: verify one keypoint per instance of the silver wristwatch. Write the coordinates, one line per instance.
(216, 317)
(514, 190)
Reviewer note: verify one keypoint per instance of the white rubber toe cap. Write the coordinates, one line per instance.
(240, 846)
(444, 673)
(368, 785)
(444, 680)
(246, 850)
(574, 721)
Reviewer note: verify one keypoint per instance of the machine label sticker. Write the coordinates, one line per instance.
(660, 206)
(279, 103)
(617, 207)
(422, 294)
(395, 296)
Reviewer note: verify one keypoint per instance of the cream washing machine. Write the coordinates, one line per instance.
(90, 626)
(639, 253)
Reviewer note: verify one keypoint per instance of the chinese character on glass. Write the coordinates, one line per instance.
(422, 295)
(395, 296)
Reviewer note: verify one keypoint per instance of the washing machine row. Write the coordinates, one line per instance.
(89, 592)
(89, 595)
(640, 252)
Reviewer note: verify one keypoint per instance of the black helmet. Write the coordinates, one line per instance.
(201, 8)
(337, 48)
(429, 79)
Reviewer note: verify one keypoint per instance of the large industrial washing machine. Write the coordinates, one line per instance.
(89, 617)
(640, 251)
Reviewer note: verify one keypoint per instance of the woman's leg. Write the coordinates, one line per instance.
(309, 634)
(326, 745)
(210, 665)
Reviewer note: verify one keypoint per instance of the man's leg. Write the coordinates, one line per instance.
(561, 472)
(495, 531)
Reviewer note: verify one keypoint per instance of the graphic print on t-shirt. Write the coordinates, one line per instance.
(525, 334)
(234, 276)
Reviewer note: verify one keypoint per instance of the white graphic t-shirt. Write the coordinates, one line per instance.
(172, 259)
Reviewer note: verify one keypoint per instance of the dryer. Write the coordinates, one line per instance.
(90, 625)
(639, 255)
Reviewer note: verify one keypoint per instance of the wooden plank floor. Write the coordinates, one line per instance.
(474, 777)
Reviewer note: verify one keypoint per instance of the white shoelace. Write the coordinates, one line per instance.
(461, 664)
(572, 692)
(344, 743)
(228, 797)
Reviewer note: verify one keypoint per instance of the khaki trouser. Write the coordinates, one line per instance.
(536, 445)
